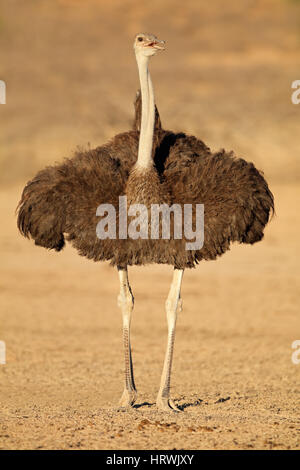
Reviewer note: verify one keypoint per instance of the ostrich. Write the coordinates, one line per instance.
(150, 166)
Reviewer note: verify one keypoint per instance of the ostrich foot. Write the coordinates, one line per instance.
(166, 404)
(128, 398)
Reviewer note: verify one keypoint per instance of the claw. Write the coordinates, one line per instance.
(128, 398)
(166, 404)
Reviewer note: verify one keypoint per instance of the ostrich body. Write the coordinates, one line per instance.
(150, 166)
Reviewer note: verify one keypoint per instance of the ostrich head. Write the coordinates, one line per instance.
(147, 44)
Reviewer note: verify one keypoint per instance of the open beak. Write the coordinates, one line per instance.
(157, 44)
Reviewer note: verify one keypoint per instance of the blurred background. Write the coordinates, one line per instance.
(71, 80)
(226, 77)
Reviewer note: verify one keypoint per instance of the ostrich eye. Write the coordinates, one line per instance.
(140, 39)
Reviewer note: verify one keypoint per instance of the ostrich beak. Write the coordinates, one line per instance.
(157, 44)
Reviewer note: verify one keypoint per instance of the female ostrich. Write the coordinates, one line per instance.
(150, 166)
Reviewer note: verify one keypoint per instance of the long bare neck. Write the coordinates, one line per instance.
(148, 115)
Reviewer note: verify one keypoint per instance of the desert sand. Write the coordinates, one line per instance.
(225, 77)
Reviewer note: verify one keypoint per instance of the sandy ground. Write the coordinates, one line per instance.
(226, 77)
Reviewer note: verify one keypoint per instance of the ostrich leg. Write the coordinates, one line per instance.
(125, 302)
(173, 306)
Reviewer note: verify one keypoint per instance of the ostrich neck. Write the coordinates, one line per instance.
(148, 115)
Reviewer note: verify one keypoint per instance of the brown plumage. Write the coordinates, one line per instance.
(61, 201)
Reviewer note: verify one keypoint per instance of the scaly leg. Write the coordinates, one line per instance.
(173, 306)
(125, 302)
